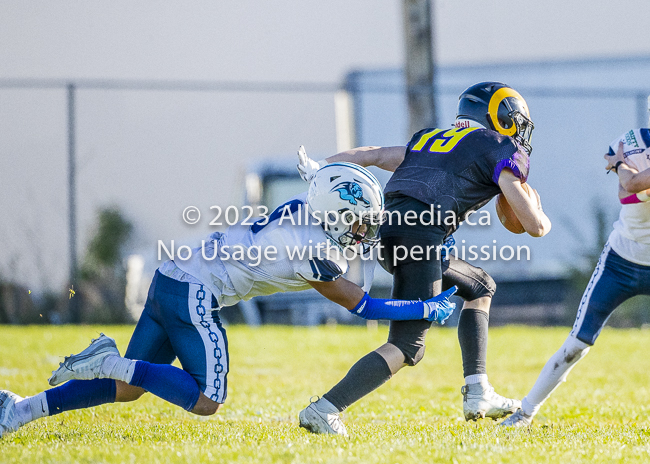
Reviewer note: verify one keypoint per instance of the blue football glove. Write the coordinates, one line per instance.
(440, 308)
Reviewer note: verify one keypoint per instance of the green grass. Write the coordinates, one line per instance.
(600, 415)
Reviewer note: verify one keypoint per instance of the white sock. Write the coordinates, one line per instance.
(23, 411)
(529, 409)
(553, 374)
(32, 408)
(118, 368)
(38, 406)
(477, 378)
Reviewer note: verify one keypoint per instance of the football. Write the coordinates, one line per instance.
(507, 216)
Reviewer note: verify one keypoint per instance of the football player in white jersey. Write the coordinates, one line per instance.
(302, 244)
(623, 270)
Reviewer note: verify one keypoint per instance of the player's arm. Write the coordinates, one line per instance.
(630, 179)
(341, 291)
(528, 209)
(387, 158)
(354, 299)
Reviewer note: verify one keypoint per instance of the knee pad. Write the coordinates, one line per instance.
(409, 337)
(491, 285)
(413, 351)
(473, 282)
(485, 287)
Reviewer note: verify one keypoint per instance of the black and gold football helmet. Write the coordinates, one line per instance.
(496, 106)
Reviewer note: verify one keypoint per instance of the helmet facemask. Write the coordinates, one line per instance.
(524, 130)
(361, 234)
(348, 202)
(511, 112)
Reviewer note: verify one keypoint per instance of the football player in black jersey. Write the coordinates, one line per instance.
(454, 172)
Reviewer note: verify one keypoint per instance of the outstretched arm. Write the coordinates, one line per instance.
(341, 291)
(354, 299)
(387, 158)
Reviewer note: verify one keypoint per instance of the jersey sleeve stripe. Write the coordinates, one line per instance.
(325, 270)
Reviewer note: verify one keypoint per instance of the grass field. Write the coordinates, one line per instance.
(600, 415)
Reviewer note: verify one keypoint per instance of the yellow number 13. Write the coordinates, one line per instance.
(442, 141)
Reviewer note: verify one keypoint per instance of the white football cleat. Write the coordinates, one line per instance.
(86, 365)
(481, 401)
(518, 419)
(8, 418)
(316, 420)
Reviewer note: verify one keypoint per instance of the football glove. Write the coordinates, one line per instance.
(307, 167)
(444, 251)
(440, 308)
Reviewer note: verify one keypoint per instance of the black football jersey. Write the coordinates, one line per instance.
(456, 169)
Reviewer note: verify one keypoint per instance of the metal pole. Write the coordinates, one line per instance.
(419, 64)
(344, 118)
(72, 207)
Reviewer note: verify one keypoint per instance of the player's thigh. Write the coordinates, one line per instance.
(150, 341)
(472, 282)
(613, 281)
(199, 340)
(414, 276)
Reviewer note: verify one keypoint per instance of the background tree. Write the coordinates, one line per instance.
(103, 273)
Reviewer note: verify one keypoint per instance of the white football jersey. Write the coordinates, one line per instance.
(631, 236)
(281, 253)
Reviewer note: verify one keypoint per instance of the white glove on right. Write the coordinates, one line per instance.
(307, 167)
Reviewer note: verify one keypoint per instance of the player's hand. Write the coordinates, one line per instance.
(440, 308)
(612, 160)
(447, 244)
(307, 167)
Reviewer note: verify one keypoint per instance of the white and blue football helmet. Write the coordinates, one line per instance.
(348, 201)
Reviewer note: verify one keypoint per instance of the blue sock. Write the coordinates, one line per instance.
(80, 394)
(167, 382)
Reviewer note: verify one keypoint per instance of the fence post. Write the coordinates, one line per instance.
(74, 307)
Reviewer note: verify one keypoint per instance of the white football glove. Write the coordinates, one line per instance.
(307, 167)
